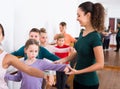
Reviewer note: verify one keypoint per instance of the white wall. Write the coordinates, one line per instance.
(113, 12)
(44, 13)
(19, 16)
(7, 20)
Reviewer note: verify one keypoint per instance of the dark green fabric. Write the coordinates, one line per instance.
(84, 47)
(43, 53)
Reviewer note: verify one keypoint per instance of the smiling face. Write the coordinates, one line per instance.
(84, 19)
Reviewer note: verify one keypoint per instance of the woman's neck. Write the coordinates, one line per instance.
(89, 28)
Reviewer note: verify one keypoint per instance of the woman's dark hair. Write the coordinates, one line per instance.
(2, 30)
(31, 42)
(97, 14)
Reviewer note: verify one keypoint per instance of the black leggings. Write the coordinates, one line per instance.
(76, 85)
(118, 43)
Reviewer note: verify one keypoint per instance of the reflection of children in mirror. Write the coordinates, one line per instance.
(106, 38)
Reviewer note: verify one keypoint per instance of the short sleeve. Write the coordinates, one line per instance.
(96, 40)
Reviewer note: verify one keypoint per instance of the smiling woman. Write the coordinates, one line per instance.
(91, 16)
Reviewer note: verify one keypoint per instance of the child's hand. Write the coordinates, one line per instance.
(71, 71)
(66, 70)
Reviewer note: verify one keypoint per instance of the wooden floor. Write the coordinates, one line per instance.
(110, 76)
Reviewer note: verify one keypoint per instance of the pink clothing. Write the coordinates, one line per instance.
(3, 84)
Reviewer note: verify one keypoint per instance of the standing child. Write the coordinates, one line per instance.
(29, 82)
(61, 76)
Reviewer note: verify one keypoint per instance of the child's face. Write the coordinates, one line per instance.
(60, 41)
(32, 51)
(43, 38)
(34, 35)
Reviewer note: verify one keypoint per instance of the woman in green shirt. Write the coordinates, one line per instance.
(89, 50)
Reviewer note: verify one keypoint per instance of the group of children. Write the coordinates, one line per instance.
(88, 62)
(37, 47)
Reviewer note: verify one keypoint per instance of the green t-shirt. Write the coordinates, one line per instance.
(84, 47)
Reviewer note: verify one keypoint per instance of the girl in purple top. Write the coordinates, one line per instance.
(30, 82)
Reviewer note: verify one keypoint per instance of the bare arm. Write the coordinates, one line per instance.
(68, 58)
(14, 61)
(98, 51)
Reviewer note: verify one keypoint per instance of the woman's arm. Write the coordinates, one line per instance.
(68, 58)
(14, 61)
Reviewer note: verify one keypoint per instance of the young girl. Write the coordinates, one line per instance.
(7, 60)
(29, 82)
